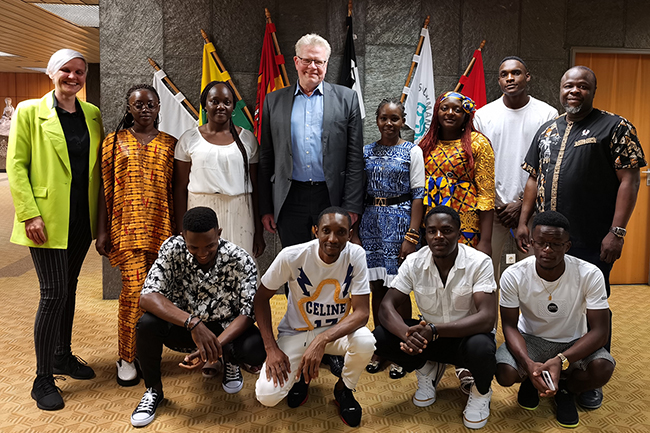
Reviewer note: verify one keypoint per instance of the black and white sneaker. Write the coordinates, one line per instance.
(232, 381)
(146, 410)
(349, 408)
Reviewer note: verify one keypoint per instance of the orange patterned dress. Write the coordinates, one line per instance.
(449, 181)
(139, 202)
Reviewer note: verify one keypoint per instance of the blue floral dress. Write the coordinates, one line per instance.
(391, 171)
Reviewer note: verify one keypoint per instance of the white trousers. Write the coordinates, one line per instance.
(357, 348)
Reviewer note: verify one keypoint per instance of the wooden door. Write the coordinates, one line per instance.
(624, 88)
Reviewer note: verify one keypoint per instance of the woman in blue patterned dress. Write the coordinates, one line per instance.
(389, 228)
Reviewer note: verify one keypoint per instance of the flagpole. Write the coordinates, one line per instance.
(285, 77)
(459, 86)
(417, 53)
(221, 68)
(188, 106)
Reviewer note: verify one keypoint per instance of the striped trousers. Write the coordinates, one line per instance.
(134, 266)
(58, 271)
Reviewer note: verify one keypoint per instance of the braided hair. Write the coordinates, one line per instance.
(430, 140)
(127, 120)
(233, 129)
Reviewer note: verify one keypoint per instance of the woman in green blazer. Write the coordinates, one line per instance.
(54, 175)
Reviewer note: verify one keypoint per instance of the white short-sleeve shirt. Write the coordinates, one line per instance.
(216, 169)
(564, 317)
(472, 272)
(319, 293)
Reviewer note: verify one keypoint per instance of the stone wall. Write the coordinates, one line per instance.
(541, 32)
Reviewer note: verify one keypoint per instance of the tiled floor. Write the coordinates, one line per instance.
(195, 404)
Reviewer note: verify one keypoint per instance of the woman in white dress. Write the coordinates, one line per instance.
(216, 166)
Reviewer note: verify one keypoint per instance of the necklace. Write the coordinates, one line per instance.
(550, 292)
(146, 137)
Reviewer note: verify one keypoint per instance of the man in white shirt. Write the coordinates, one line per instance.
(563, 325)
(510, 123)
(328, 308)
(454, 289)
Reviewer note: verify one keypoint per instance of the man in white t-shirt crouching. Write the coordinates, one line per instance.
(328, 308)
(563, 325)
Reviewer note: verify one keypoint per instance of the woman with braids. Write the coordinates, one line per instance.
(389, 228)
(135, 209)
(459, 168)
(216, 166)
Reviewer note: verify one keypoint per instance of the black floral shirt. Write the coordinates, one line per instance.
(222, 294)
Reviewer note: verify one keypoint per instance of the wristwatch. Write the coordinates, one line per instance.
(565, 361)
(619, 232)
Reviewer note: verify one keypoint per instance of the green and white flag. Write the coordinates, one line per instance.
(421, 96)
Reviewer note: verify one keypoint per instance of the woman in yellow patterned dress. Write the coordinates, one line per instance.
(136, 209)
(459, 169)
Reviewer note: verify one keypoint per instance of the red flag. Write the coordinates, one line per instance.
(474, 85)
(269, 78)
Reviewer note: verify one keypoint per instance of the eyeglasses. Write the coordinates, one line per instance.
(555, 246)
(139, 106)
(307, 62)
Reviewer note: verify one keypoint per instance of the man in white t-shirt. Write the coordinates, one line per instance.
(563, 325)
(328, 308)
(510, 123)
(454, 289)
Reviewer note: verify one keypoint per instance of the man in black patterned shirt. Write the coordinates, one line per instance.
(585, 165)
(198, 295)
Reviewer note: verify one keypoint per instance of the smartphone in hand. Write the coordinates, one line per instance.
(548, 380)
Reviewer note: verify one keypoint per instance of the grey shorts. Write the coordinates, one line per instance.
(541, 350)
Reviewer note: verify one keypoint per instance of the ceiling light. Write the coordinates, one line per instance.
(80, 15)
(7, 54)
(34, 69)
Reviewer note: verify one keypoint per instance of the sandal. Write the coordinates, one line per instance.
(210, 370)
(396, 371)
(373, 366)
(466, 379)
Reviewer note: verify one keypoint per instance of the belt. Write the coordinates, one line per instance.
(308, 183)
(383, 201)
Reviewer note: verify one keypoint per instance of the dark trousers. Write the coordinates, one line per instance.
(152, 332)
(593, 256)
(475, 353)
(300, 212)
(58, 272)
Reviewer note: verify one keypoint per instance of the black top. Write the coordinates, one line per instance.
(77, 138)
(575, 164)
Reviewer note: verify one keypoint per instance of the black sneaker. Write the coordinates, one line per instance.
(232, 381)
(567, 413)
(335, 363)
(47, 394)
(591, 399)
(73, 366)
(349, 409)
(528, 396)
(146, 410)
(298, 394)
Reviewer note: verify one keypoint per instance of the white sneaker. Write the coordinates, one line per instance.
(477, 410)
(127, 373)
(146, 410)
(428, 378)
(232, 381)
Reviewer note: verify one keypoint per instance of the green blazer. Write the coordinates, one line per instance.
(38, 168)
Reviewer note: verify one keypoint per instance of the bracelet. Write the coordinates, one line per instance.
(196, 324)
(411, 240)
(435, 332)
(187, 321)
(414, 232)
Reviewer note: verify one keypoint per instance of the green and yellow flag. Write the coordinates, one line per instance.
(211, 72)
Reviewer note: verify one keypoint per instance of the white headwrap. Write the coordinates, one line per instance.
(60, 58)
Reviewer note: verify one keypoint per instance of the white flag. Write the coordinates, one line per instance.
(174, 117)
(421, 96)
